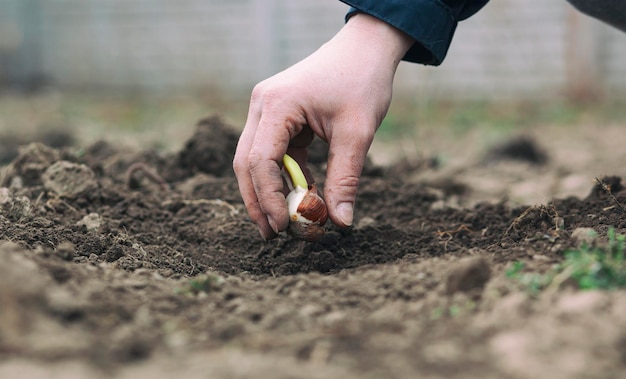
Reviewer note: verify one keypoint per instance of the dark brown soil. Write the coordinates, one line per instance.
(135, 263)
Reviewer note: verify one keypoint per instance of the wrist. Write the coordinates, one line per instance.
(379, 35)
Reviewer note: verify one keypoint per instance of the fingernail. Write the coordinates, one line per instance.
(344, 212)
(263, 235)
(267, 234)
(273, 224)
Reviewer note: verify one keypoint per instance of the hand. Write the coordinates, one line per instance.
(340, 93)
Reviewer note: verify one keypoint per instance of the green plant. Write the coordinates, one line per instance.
(587, 267)
(456, 309)
(533, 282)
(204, 283)
(598, 267)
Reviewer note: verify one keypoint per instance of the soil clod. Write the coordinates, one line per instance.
(467, 275)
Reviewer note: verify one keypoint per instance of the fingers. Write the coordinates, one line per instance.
(241, 166)
(348, 150)
(257, 164)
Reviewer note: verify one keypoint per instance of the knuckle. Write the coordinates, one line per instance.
(362, 136)
(257, 93)
(348, 181)
(266, 93)
(254, 161)
(239, 165)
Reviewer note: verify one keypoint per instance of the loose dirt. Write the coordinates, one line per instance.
(118, 263)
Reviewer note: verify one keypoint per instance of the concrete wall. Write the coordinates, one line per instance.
(529, 48)
(512, 49)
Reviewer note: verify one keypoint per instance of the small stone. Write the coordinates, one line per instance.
(65, 304)
(365, 222)
(19, 209)
(16, 183)
(5, 195)
(69, 179)
(468, 274)
(91, 222)
(584, 235)
(166, 272)
(438, 205)
(541, 257)
(114, 253)
(32, 161)
(66, 251)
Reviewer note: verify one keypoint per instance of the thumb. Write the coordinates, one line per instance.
(347, 153)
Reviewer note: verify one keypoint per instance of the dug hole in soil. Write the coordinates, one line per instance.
(138, 264)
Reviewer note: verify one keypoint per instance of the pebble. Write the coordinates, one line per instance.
(69, 179)
(584, 235)
(66, 251)
(91, 221)
(468, 274)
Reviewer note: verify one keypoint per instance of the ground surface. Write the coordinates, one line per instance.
(106, 271)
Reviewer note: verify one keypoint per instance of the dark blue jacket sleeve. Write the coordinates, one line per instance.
(430, 22)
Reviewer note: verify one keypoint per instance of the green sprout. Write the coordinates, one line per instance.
(295, 172)
(533, 282)
(205, 283)
(455, 310)
(587, 268)
(598, 267)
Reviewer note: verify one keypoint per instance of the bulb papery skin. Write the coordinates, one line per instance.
(307, 214)
(294, 198)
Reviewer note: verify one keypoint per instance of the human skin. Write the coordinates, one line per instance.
(340, 93)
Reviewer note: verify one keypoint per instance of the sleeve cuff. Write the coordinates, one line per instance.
(429, 22)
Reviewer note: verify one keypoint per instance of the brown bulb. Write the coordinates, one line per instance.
(311, 215)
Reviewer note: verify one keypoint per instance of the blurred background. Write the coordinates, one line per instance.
(108, 69)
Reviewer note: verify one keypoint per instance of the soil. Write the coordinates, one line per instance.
(124, 263)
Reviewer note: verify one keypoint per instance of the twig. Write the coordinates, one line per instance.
(549, 211)
(607, 189)
(519, 218)
(450, 233)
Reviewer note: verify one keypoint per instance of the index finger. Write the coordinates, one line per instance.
(241, 166)
(274, 131)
